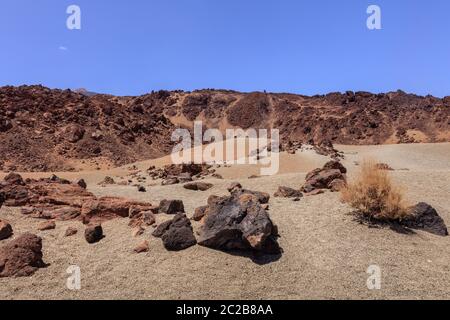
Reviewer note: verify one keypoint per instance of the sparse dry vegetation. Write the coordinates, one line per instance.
(373, 194)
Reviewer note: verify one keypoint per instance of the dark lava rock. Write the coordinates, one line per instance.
(6, 230)
(171, 206)
(425, 217)
(176, 234)
(81, 183)
(159, 231)
(93, 233)
(239, 222)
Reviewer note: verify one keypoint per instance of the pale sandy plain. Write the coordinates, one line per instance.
(326, 253)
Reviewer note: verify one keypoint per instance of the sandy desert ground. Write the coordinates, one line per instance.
(326, 253)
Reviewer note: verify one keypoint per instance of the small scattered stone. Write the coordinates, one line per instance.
(93, 233)
(315, 192)
(138, 231)
(142, 247)
(71, 232)
(286, 192)
(81, 183)
(198, 186)
(47, 225)
(107, 181)
(6, 230)
(234, 187)
(178, 234)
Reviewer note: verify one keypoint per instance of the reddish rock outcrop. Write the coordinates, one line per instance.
(106, 208)
(58, 199)
(21, 257)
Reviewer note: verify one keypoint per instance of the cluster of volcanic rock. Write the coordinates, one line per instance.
(332, 176)
(237, 222)
(182, 173)
(22, 256)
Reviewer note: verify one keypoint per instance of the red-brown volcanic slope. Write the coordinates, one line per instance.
(43, 129)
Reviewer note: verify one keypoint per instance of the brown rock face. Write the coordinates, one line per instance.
(21, 257)
(6, 230)
(73, 133)
(239, 222)
(250, 112)
(73, 126)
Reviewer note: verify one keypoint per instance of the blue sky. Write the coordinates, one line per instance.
(309, 47)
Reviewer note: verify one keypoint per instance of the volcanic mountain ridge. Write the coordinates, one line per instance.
(44, 129)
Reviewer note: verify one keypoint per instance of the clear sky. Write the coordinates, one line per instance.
(309, 47)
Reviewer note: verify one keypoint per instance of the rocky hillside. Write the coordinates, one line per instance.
(43, 129)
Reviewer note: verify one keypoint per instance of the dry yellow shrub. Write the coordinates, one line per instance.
(373, 194)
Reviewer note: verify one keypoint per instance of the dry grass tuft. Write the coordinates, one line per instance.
(374, 195)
